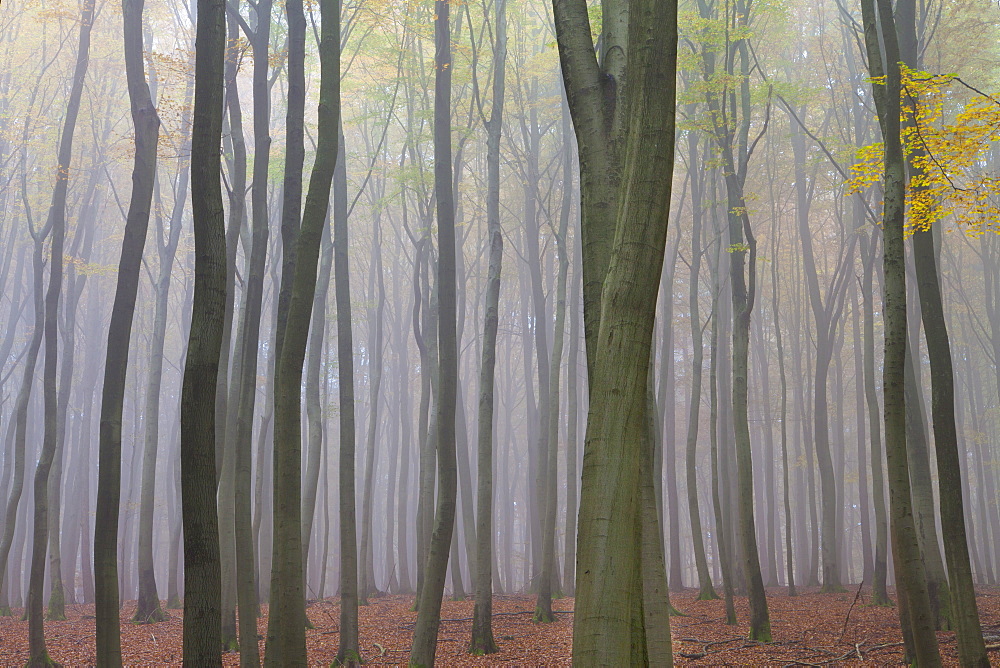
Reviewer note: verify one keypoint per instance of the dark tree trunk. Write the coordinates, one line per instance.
(286, 642)
(914, 604)
(202, 573)
(429, 616)
(147, 125)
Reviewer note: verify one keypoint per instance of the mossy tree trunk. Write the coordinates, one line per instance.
(610, 624)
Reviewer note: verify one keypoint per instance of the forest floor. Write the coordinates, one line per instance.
(811, 629)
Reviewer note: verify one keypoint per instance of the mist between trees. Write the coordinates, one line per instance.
(311, 299)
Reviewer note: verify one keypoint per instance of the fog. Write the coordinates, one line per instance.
(307, 342)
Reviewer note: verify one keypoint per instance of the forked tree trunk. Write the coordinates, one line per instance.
(482, 641)
(609, 624)
(286, 642)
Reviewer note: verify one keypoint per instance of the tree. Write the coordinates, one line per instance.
(436, 567)
(914, 604)
(609, 622)
(57, 224)
(482, 623)
(202, 574)
(705, 589)
(348, 650)
(742, 250)
(287, 621)
(549, 582)
(969, 636)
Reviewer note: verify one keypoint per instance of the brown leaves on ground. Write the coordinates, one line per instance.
(809, 630)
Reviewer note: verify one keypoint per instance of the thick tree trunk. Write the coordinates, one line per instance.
(202, 574)
(609, 619)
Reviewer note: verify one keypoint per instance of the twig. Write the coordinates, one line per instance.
(848, 617)
(885, 646)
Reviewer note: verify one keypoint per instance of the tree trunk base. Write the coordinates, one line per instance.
(57, 606)
(708, 594)
(42, 661)
(151, 613)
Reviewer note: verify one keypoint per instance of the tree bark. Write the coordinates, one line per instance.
(429, 615)
(482, 641)
(609, 620)
(286, 642)
(146, 124)
(914, 605)
(202, 573)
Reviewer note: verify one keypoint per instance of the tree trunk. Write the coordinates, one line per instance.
(549, 583)
(286, 642)
(202, 574)
(147, 124)
(706, 592)
(609, 620)
(482, 641)
(914, 605)
(429, 615)
(347, 653)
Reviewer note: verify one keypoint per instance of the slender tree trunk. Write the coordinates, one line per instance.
(914, 605)
(286, 642)
(347, 653)
(367, 586)
(721, 533)
(549, 583)
(879, 594)
(429, 616)
(482, 641)
(147, 124)
(314, 407)
(572, 426)
(706, 591)
(786, 489)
